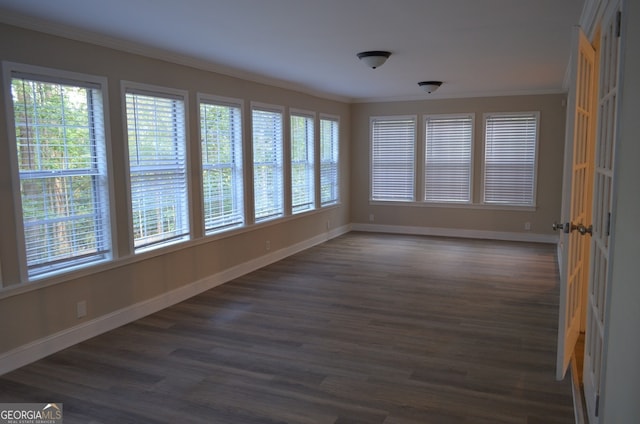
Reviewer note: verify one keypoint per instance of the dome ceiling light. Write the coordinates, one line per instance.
(374, 58)
(430, 86)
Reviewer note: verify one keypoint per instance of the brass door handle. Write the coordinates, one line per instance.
(585, 230)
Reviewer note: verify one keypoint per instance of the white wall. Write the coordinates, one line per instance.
(456, 220)
(621, 396)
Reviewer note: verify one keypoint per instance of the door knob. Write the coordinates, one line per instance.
(585, 230)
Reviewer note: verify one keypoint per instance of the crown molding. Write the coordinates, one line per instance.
(431, 97)
(77, 34)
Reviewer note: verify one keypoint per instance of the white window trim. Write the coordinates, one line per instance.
(154, 90)
(231, 102)
(372, 119)
(425, 117)
(337, 201)
(316, 131)
(54, 76)
(534, 204)
(268, 107)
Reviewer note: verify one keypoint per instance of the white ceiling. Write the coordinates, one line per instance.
(477, 47)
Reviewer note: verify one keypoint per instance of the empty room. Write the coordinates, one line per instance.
(320, 212)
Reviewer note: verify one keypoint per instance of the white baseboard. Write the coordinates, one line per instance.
(45, 346)
(454, 232)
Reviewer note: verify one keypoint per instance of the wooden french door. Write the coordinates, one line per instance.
(608, 94)
(576, 247)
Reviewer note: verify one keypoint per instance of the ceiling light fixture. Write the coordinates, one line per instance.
(374, 58)
(430, 86)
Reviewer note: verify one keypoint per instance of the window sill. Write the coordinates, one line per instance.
(47, 280)
(479, 206)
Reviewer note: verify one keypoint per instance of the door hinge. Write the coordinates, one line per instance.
(609, 224)
(597, 411)
(618, 23)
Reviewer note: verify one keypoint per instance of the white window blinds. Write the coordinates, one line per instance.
(61, 158)
(510, 158)
(393, 158)
(448, 146)
(302, 163)
(222, 183)
(158, 168)
(329, 148)
(268, 186)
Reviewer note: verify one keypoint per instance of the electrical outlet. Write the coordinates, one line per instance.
(371, 217)
(81, 309)
(267, 245)
(527, 226)
(328, 224)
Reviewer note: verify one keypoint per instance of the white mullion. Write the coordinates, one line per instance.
(234, 115)
(268, 116)
(389, 135)
(165, 111)
(334, 158)
(101, 207)
(510, 129)
(447, 131)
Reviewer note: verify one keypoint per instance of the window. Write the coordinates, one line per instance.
(329, 148)
(510, 158)
(62, 169)
(268, 186)
(448, 146)
(157, 167)
(302, 163)
(221, 146)
(393, 158)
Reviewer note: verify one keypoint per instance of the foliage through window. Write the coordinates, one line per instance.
(157, 168)
(393, 158)
(221, 145)
(302, 163)
(329, 151)
(268, 186)
(61, 158)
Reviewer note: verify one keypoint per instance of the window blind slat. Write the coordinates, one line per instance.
(222, 178)
(268, 181)
(393, 156)
(302, 163)
(510, 158)
(448, 146)
(329, 149)
(61, 160)
(157, 168)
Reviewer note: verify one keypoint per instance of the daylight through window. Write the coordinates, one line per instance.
(158, 168)
(61, 156)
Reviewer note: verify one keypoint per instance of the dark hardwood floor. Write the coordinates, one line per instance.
(366, 328)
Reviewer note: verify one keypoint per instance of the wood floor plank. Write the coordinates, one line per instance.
(365, 328)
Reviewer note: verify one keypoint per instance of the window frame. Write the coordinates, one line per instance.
(425, 147)
(76, 79)
(237, 164)
(414, 180)
(278, 165)
(166, 93)
(333, 162)
(310, 162)
(528, 206)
